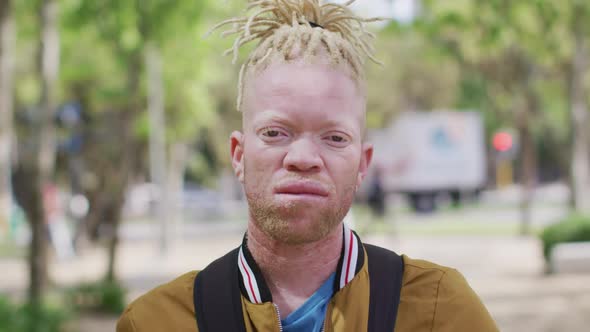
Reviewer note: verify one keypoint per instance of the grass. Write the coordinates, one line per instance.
(403, 222)
(9, 249)
(463, 228)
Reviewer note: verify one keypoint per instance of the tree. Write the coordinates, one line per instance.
(578, 104)
(135, 35)
(7, 41)
(35, 168)
(120, 29)
(498, 41)
(415, 76)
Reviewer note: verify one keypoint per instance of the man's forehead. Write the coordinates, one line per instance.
(313, 79)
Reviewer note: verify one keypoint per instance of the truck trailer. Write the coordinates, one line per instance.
(424, 155)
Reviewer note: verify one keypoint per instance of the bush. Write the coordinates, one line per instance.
(7, 315)
(103, 297)
(574, 228)
(25, 318)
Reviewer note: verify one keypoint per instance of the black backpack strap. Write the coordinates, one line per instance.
(217, 296)
(386, 269)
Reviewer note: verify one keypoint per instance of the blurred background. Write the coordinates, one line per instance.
(114, 156)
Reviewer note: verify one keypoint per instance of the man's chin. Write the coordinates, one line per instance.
(296, 231)
(295, 238)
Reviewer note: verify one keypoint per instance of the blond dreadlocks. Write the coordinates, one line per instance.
(303, 27)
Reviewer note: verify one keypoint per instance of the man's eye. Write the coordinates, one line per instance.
(271, 133)
(338, 139)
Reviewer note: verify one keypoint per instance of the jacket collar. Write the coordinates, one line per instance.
(253, 285)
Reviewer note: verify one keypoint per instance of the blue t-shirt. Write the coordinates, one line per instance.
(310, 316)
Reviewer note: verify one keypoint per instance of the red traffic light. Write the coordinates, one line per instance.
(503, 141)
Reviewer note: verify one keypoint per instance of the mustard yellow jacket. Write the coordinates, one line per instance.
(433, 298)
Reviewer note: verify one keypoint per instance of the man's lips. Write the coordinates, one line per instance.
(302, 188)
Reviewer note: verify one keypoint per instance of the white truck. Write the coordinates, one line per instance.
(425, 154)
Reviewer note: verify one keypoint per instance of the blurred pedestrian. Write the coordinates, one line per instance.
(376, 197)
(58, 230)
(300, 158)
(379, 220)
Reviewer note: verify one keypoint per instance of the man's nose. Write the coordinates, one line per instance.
(303, 156)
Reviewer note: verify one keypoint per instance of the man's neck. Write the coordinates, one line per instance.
(294, 272)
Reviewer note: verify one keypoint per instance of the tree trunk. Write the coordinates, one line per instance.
(157, 141)
(38, 167)
(113, 215)
(112, 254)
(529, 160)
(50, 50)
(38, 252)
(177, 169)
(7, 40)
(580, 163)
(109, 156)
(125, 153)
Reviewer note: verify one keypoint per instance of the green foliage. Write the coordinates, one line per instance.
(103, 297)
(7, 315)
(26, 318)
(575, 228)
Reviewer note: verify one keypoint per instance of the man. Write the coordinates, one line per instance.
(300, 158)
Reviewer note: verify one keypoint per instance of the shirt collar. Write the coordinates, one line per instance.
(253, 285)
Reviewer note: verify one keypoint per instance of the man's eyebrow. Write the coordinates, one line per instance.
(336, 123)
(270, 116)
(332, 122)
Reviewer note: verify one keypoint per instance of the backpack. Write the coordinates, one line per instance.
(223, 309)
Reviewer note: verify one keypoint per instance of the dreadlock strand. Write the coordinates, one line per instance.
(343, 18)
(241, 84)
(313, 8)
(284, 7)
(265, 57)
(235, 49)
(333, 9)
(352, 61)
(256, 3)
(256, 57)
(333, 50)
(255, 17)
(279, 41)
(226, 22)
(312, 44)
(252, 37)
(285, 52)
(294, 19)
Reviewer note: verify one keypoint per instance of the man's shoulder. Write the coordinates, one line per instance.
(444, 298)
(168, 303)
(423, 271)
(431, 280)
(178, 289)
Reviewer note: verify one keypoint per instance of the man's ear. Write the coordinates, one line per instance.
(237, 154)
(365, 162)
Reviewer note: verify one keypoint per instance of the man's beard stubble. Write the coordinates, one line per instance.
(274, 220)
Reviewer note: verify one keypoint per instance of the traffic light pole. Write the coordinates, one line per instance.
(504, 173)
